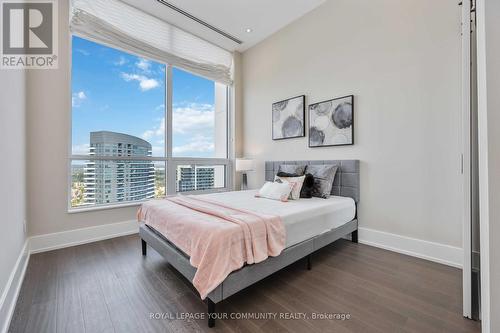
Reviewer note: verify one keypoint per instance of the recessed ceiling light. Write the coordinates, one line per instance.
(248, 30)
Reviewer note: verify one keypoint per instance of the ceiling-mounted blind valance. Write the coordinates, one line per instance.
(119, 25)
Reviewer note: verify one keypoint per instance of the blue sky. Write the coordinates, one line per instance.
(116, 91)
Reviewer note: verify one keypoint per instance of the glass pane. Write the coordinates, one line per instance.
(118, 102)
(160, 180)
(115, 181)
(200, 177)
(199, 118)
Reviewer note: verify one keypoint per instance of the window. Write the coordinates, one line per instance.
(199, 116)
(142, 129)
(200, 177)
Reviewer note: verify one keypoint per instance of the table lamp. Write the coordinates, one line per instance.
(243, 165)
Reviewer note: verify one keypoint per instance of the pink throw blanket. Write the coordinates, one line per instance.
(218, 239)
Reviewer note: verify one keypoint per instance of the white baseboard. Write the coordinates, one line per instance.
(59, 240)
(12, 288)
(440, 253)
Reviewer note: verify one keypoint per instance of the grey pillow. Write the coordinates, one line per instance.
(323, 179)
(293, 168)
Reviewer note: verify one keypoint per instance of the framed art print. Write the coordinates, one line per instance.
(289, 118)
(331, 123)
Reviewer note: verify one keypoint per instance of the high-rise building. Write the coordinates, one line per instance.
(191, 178)
(115, 180)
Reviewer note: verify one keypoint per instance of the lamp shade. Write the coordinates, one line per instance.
(244, 164)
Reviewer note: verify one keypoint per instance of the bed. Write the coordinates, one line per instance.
(310, 224)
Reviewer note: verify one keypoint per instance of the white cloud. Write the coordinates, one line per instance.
(144, 65)
(121, 61)
(147, 135)
(156, 137)
(156, 132)
(145, 83)
(78, 98)
(158, 150)
(82, 149)
(199, 144)
(160, 107)
(193, 118)
(82, 51)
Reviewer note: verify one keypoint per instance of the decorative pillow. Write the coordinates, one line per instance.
(307, 185)
(323, 179)
(275, 191)
(292, 169)
(296, 183)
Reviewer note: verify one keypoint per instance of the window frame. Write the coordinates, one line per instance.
(171, 162)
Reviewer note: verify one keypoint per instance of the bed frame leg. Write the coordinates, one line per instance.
(211, 313)
(144, 247)
(309, 262)
(354, 236)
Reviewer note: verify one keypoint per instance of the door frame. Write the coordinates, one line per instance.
(466, 159)
(484, 204)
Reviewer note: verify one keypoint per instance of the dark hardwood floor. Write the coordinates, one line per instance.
(109, 286)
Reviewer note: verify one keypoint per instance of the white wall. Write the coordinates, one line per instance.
(12, 172)
(48, 125)
(488, 18)
(237, 120)
(401, 60)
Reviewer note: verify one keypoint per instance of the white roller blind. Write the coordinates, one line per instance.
(117, 24)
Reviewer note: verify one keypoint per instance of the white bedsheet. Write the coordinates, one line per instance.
(303, 218)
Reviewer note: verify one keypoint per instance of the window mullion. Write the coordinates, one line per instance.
(168, 111)
(171, 167)
(230, 138)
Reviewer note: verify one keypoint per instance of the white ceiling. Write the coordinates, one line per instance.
(231, 16)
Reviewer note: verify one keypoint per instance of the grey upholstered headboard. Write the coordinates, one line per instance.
(346, 183)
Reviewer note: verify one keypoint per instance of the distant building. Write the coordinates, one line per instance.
(115, 180)
(191, 178)
(77, 168)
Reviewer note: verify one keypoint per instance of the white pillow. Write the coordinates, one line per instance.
(275, 191)
(296, 182)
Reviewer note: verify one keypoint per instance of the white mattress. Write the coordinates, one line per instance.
(303, 218)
